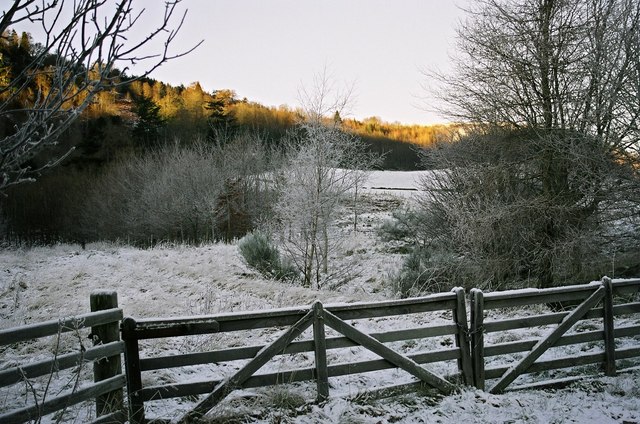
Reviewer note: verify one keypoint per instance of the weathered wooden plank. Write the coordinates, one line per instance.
(584, 337)
(627, 331)
(522, 297)
(462, 336)
(492, 373)
(251, 367)
(233, 354)
(526, 345)
(559, 383)
(53, 327)
(169, 391)
(33, 412)
(477, 330)
(621, 287)
(134, 375)
(609, 337)
(390, 355)
(435, 302)
(61, 362)
(106, 367)
(178, 329)
(232, 321)
(535, 321)
(626, 309)
(552, 291)
(382, 364)
(286, 317)
(294, 375)
(627, 352)
(319, 340)
(553, 364)
(548, 341)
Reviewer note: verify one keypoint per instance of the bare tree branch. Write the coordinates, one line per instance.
(87, 41)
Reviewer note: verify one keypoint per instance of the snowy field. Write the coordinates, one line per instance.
(44, 283)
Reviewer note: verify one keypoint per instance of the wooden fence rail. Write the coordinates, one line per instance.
(105, 355)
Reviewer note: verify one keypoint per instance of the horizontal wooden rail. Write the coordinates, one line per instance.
(205, 326)
(233, 354)
(534, 321)
(621, 287)
(567, 362)
(286, 317)
(585, 337)
(626, 309)
(55, 404)
(53, 327)
(16, 374)
(294, 375)
(554, 318)
(511, 298)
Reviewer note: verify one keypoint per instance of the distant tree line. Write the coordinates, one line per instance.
(149, 126)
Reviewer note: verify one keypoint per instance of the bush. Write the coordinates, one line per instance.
(426, 271)
(527, 208)
(261, 254)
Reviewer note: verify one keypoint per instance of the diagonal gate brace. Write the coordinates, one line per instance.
(390, 355)
(236, 380)
(544, 344)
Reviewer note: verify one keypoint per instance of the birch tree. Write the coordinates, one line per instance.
(82, 43)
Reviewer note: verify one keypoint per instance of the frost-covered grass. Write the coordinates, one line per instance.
(44, 283)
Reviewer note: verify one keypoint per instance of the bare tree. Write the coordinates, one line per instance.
(83, 42)
(549, 64)
(323, 167)
(317, 176)
(552, 87)
(323, 98)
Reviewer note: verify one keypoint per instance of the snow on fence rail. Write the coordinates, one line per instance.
(603, 309)
(109, 381)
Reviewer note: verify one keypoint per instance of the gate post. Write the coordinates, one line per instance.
(477, 337)
(106, 367)
(609, 336)
(134, 375)
(320, 345)
(462, 336)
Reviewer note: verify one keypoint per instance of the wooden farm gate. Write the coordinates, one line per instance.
(595, 305)
(297, 320)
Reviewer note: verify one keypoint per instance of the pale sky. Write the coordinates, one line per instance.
(265, 50)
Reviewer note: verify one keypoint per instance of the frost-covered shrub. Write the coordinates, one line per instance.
(261, 254)
(424, 271)
(398, 228)
(190, 193)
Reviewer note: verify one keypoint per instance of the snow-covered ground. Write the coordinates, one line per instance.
(44, 283)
